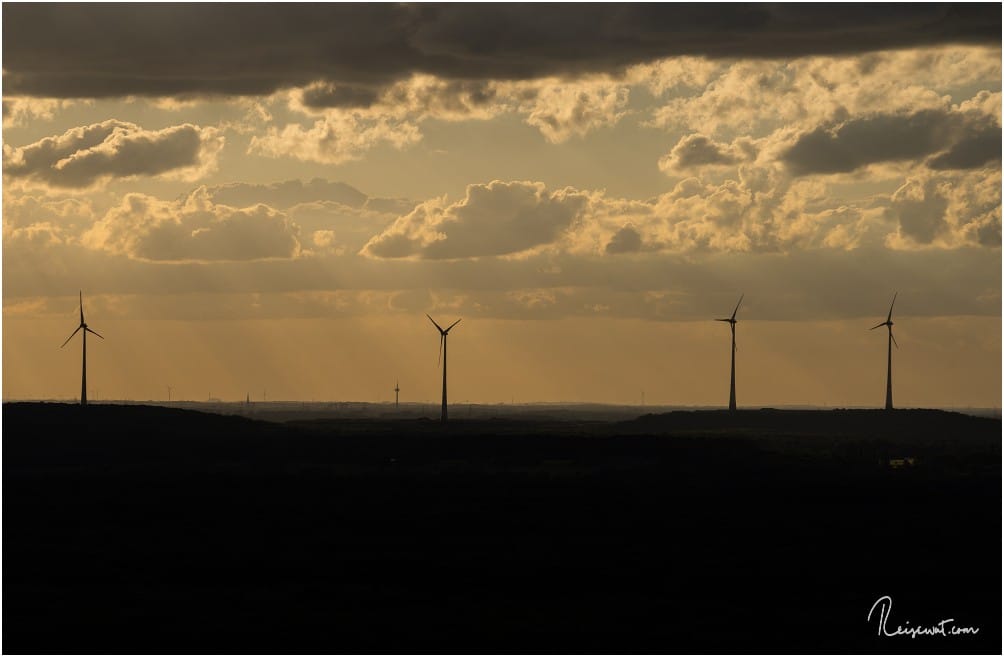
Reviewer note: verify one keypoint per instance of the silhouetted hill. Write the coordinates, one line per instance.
(151, 529)
(858, 422)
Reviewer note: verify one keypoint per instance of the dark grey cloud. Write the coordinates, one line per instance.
(921, 216)
(82, 156)
(625, 240)
(982, 146)
(339, 95)
(101, 50)
(968, 140)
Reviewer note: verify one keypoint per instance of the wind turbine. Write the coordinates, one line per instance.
(442, 353)
(892, 341)
(397, 389)
(732, 324)
(83, 371)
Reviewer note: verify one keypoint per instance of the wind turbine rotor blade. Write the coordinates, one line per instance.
(442, 338)
(88, 329)
(724, 320)
(451, 326)
(893, 338)
(434, 323)
(81, 306)
(737, 305)
(889, 318)
(876, 326)
(69, 338)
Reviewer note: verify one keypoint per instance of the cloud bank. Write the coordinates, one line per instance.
(161, 50)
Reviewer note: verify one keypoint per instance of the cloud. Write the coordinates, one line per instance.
(418, 97)
(495, 219)
(85, 156)
(193, 229)
(980, 147)
(160, 50)
(346, 129)
(321, 208)
(625, 240)
(33, 237)
(858, 142)
(21, 111)
(697, 151)
(325, 94)
(287, 193)
(561, 110)
(947, 209)
(752, 98)
(337, 138)
(24, 210)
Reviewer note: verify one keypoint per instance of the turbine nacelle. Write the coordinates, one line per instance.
(82, 325)
(888, 321)
(442, 335)
(732, 321)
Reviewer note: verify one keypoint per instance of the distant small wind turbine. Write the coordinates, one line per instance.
(732, 324)
(892, 341)
(83, 371)
(397, 390)
(442, 354)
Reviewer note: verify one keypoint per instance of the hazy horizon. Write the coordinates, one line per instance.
(273, 197)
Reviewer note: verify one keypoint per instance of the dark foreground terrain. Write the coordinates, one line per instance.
(142, 529)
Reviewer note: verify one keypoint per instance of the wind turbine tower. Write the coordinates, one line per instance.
(892, 341)
(442, 352)
(732, 324)
(397, 390)
(83, 371)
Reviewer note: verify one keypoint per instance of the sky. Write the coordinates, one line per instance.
(266, 200)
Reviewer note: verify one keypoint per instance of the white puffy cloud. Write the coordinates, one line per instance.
(349, 121)
(336, 138)
(21, 111)
(193, 229)
(563, 109)
(947, 209)
(495, 219)
(85, 156)
(756, 97)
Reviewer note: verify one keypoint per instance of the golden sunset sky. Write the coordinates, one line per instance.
(272, 197)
